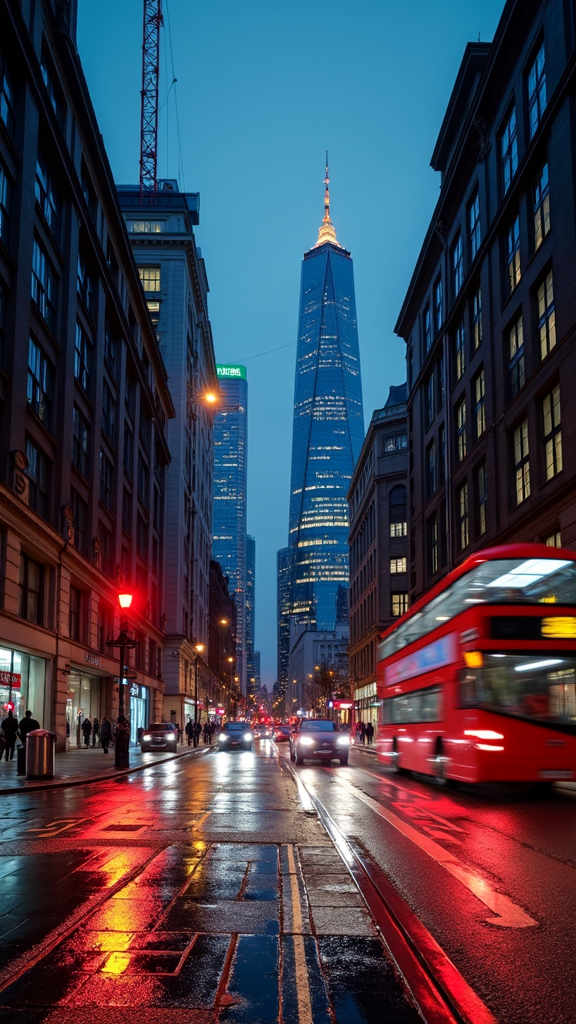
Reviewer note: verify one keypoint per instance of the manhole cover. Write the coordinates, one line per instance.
(123, 828)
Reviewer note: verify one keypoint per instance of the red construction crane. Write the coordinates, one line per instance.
(149, 108)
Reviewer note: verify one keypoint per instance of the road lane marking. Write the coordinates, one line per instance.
(47, 831)
(509, 914)
(300, 967)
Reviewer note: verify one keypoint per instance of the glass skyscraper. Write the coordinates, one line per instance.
(328, 430)
(229, 505)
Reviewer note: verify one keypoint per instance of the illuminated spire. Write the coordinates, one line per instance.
(327, 232)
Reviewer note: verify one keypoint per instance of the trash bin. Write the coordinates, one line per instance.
(40, 745)
(21, 759)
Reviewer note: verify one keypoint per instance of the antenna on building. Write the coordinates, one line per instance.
(149, 94)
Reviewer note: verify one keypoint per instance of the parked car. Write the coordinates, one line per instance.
(282, 734)
(234, 736)
(160, 736)
(318, 739)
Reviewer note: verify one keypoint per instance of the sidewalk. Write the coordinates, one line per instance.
(82, 765)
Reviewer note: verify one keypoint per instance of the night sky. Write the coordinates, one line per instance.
(263, 89)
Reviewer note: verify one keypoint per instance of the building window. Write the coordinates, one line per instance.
(461, 429)
(5, 206)
(432, 538)
(479, 403)
(513, 268)
(463, 524)
(477, 318)
(106, 550)
(40, 383)
(141, 536)
(80, 511)
(80, 441)
(2, 323)
(130, 396)
(395, 443)
(541, 203)
(554, 540)
(398, 565)
(546, 316)
(438, 300)
(442, 449)
(31, 587)
(82, 358)
(398, 505)
(7, 97)
(143, 481)
(552, 432)
(441, 382)
(482, 487)
(399, 604)
(460, 350)
(108, 412)
(516, 369)
(427, 329)
(128, 451)
(457, 266)
(85, 285)
(38, 473)
(150, 278)
(43, 286)
(48, 197)
(76, 615)
(53, 91)
(126, 510)
(521, 462)
(536, 90)
(430, 399)
(398, 529)
(431, 468)
(105, 492)
(474, 224)
(110, 346)
(509, 150)
(153, 227)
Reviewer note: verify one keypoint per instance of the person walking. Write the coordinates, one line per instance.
(10, 729)
(27, 725)
(369, 733)
(362, 733)
(105, 734)
(86, 730)
(95, 732)
(197, 731)
(206, 732)
(189, 730)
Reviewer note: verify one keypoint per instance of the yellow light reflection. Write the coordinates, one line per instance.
(116, 963)
(473, 659)
(559, 627)
(111, 940)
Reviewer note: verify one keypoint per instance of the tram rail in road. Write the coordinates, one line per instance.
(440, 991)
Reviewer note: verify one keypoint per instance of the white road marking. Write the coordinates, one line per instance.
(301, 970)
(509, 914)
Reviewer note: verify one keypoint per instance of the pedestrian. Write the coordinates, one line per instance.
(10, 729)
(178, 732)
(122, 741)
(369, 733)
(362, 733)
(206, 732)
(212, 729)
(189, 731)
(27, 725)
(197, 731)
(86, 730)
(105, 734)
(95, 731)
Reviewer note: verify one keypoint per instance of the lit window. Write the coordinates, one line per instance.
(460, 350)
(398, 529)
(474, 224)
(482, 481)
(521, 462)
(516, 368)
(82, 358)
(541, 203)
(554, 540)
(477, 319)
(153, 227)
(464, 532)
(514, 270)
(479, 403)
(509, 150)
(150, 278)
(398, 565)
(461, 429)
(546, 316)
(536, 90)
(399, 604)
(552, 432)
(457, 266)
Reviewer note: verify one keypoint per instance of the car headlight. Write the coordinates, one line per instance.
(222, 737)
(146, 736)
(172, 737)
(247, 736)
(306, 741)
(343, 741)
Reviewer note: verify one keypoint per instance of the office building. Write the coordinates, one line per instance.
(230, 482)
(489, 316)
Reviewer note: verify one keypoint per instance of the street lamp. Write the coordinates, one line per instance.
(198, 648)
(124, 641)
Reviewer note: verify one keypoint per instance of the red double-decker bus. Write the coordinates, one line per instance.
(477, 681)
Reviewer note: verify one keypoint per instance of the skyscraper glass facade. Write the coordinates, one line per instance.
(328, 430)
(229, 506)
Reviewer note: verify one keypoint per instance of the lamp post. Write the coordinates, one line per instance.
(125, 642)
(198, 648)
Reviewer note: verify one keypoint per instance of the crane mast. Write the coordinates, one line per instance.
(149, 106)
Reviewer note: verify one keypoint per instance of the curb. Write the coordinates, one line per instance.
(92, 779)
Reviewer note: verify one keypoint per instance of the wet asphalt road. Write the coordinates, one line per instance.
(199, 890)
(491, 872)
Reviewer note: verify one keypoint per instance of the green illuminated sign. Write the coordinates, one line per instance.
(230, 372)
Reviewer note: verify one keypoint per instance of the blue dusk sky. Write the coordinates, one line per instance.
(263, 88)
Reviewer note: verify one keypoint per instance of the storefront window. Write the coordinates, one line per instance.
(22, 683)
(83, 701)
(139, 710)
